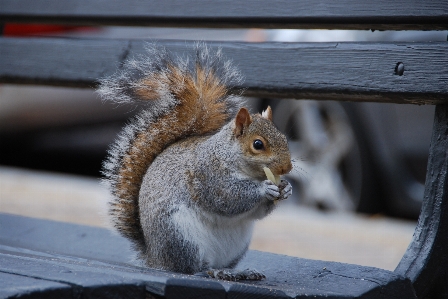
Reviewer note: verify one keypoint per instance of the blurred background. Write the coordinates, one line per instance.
(359, 168)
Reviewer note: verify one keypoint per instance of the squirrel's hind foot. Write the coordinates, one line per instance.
(233, 274)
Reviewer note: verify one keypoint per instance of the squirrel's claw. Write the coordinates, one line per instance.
(285, 189)
(270, 190)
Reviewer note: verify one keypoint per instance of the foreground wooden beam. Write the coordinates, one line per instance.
(72, 261)
(375, 72)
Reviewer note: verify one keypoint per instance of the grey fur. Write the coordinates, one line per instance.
(201, 195)
(119, 89)
(209, 184)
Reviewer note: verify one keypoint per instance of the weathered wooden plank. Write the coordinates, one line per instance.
(426, 259)
(40, 61)
(315, 278)
(325, 14)
(11, 285)
(287, 277)
(84, 280)
(94, 242)
(322, 71)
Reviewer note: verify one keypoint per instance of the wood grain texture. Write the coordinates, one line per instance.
(326, 14)
(83, 280)
(426, 259)
(96, 275)
(321, 71)
(12, 284)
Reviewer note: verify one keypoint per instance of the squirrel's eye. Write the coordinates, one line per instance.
(258, 144)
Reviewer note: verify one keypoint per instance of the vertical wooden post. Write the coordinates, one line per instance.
(426, 259)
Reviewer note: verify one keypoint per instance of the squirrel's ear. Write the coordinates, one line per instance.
(267, 113)
(242, 121)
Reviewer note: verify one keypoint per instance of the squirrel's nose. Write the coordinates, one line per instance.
(286, 169)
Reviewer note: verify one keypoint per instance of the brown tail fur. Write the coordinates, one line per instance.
(183, 101)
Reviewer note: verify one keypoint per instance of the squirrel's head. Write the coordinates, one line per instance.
(262, 144)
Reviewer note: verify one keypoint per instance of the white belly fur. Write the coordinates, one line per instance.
(219, 239)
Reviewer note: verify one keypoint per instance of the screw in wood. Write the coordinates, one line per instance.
(399, 69)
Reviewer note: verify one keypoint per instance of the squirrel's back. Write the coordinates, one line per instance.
(183, 97)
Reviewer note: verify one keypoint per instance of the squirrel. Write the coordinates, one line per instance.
(186, 173)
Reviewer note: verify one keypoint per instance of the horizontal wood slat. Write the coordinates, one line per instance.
(95, 263)
(324, 14)
(329, 71)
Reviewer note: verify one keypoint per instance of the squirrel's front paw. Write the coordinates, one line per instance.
(270, 190)
(285, 189)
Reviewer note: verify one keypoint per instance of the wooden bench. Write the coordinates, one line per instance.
(54, 260)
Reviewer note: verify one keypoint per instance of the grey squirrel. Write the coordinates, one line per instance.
(187, 173)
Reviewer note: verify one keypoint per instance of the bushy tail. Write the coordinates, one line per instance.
(184, 97)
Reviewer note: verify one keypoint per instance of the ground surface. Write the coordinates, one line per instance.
(292, 229)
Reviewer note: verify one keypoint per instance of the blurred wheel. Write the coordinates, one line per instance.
(328, 163)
